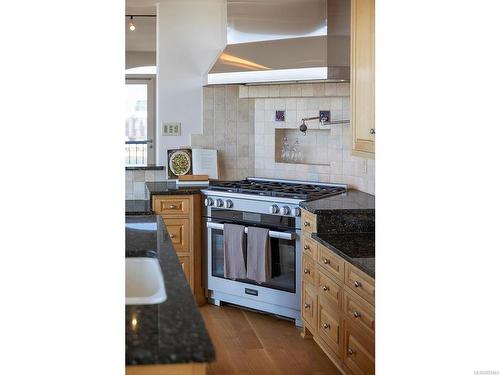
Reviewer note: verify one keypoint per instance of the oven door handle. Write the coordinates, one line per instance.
(273, 234)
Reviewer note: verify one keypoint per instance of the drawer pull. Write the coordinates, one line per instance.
(356, 314)
(172, 235)
(350, 351)
(172, 206)
(306, 305)
(306, 247)
(357, 284)
(326, 261)
(325, 288)
(326, 325)
(306, 271)
(307, 224)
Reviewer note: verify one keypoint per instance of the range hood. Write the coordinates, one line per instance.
(285, 41)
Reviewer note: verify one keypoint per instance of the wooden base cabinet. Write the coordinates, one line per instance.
(338, 307)
(182, 217)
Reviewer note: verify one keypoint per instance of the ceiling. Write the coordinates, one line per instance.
(143, 38)
(140, 6)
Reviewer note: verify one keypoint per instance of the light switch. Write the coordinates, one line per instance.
(171, 129)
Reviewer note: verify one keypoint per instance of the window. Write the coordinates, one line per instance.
(140, 120)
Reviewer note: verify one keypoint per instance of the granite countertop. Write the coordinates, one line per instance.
(171, 188)
(353, 211)
(145, 168)
(351, 200)
(138, 207)
(172, 331)
(357, 248)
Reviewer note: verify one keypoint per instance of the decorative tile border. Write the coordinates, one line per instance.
(298, 90)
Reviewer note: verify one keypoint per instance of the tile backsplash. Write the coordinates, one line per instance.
(135, 182)
(240, 122)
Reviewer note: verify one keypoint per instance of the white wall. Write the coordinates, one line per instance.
(190, 36)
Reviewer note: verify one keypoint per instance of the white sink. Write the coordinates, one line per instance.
(144, 282)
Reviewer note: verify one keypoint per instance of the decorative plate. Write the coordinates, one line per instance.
(180, 163)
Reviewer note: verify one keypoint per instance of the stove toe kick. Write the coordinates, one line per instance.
(216, 298)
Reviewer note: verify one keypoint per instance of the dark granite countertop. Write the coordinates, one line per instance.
(171, 188)
(145, 168)
(172, 331)
(357, 248)
(352, 200)
(138, 207)
(353, 211)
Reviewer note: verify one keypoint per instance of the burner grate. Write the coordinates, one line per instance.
(277, 189)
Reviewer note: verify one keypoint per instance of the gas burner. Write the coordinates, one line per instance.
(298, 190)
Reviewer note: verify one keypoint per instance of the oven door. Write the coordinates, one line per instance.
(282, 288)
(283, 266)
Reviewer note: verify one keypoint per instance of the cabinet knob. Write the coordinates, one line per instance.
(172, 235)
(307, 224)
(172, 206)
(306, 271)
(372, 131)
(356, 314)
(306, 247)
(326, 261)
(326, 325)
(325, 288)
(306, 305)
(350, 351)
(357, 284)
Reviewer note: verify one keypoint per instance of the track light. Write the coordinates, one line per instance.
(131, 25)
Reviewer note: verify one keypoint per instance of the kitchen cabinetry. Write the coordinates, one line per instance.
(338, 305)
(182, 217)
(363, 77)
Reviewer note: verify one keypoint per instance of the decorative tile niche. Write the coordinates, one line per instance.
(312, 147)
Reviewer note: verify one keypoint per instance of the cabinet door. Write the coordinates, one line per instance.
(308, 270)
(309, 313)
(178, 230)
(359, 351)
(360, 283)
(329, 325)
(363, 76)
(171, 205)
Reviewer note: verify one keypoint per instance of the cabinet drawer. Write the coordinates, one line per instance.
(309, 247)
(329, 326)
(308, 270)
(309, 313)
(331, 262)
(362, 284)
(308, 222)
(360, 312)
(329, 289)
(186, 267)
(178, 230)
(171, 205)
(359, 351)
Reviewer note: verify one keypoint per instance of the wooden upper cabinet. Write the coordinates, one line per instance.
(363, 77)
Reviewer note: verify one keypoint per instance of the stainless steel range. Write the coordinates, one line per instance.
(269, 203)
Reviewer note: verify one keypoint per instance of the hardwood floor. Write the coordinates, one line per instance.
(251, 343)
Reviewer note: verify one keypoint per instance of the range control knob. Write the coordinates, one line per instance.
(209, 202)
(228, 203)
(219, 203)
(285, 210)
(274, 209)
(296, 211)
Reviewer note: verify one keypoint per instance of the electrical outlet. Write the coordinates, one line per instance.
(171, 129)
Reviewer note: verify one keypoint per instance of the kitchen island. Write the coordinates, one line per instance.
(169, 337)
